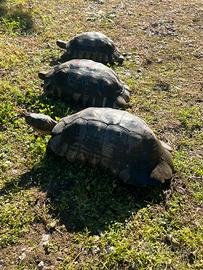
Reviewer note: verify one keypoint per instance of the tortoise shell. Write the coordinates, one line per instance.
(115, 140)
(91, 45)
(86, 82)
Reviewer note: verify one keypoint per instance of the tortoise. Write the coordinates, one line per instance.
(86, 82)
(91, 45)
(112, 139)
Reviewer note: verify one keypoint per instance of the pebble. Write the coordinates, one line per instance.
(52, 225)
(22, 256)
(139, 70)
(40, 265)
(1, 263)
(45, 240)
(110, 249)
(95, 250)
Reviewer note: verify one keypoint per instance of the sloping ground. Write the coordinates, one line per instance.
(54, 215)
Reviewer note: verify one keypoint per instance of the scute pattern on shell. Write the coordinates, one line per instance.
(93, 45)
(113, 139)
(86, 82)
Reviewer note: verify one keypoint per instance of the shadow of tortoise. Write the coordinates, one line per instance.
(84, 198)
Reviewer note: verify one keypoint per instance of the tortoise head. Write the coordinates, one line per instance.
(40, 122)
(42, 75)
(48, 84)
(62, 44)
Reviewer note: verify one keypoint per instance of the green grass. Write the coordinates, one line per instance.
(94, 222)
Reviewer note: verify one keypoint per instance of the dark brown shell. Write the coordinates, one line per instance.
(115, 140)
(86, 82)
(92, 45)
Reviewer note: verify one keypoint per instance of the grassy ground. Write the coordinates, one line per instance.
(54, 215)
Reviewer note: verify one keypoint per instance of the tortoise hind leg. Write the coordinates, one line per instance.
(120, 101)
(163, 171)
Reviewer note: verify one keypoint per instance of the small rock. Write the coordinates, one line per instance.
(110, 249)
(2, 263)
(163, 86)
(172, 240)
(15, 171)
(128, 73)
(96, 237)
(9, 163)
(40, 265)
(129, 57)
(191, 257)
(148, 62)
(52, 225)
(159, 61)
(181, 190)
(49, 45)
(139, 70)
(198, 55)
(95, 250)
(45, 240)
(100, 1)
(22, 256)
(155, 24)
